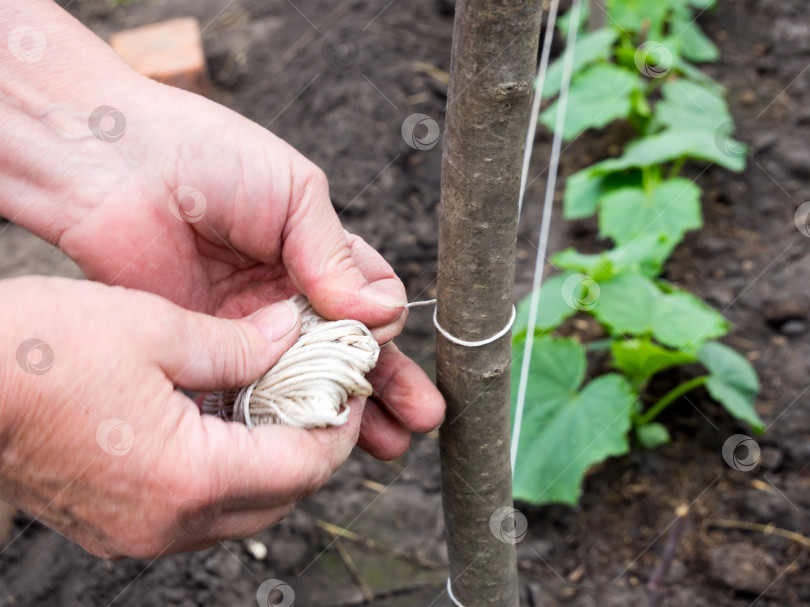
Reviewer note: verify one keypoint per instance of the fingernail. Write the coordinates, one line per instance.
(379, 295)
(276, 321)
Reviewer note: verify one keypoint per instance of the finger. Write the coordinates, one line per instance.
(375, 269)
(241, 524)
(319, 257)
(381, 435)
(273, 465)
(406, 391)
(235, 525)
(210, 353)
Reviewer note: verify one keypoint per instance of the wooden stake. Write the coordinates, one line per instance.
(491, 83)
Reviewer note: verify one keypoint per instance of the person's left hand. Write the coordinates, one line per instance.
(210, 210)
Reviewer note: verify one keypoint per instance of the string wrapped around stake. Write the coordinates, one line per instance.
(311, 383)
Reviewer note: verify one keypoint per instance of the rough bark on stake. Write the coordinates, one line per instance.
(491, 82)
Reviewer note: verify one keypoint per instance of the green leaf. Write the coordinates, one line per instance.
(636, 15)
(584, 189)
(696, 45)
(552, 309)
(671, 208)
(669, 145)
(684, 321)
(685, 68)
(599, 267)
(632, 305)
(590, 48)
(683, 5)
(686, 102)
(732, 382)
(652, 435)
(640, 359)
(565, 429)
(627, 304)
(644, 255)
(598, 96)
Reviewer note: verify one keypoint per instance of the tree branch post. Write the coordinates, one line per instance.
(489, 100)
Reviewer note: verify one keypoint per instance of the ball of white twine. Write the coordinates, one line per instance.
(309, 385)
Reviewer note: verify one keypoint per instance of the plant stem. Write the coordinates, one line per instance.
(599, 344)
(676, 167)
(668, 398)
(647, 179)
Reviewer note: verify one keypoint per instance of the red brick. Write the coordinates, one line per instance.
(170, 52)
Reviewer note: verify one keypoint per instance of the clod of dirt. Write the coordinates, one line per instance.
(771, 458)
(742, 566)
(787, 317)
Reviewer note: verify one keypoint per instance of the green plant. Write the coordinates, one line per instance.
(636, 69)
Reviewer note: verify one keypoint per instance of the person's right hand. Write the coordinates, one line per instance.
(98, 443)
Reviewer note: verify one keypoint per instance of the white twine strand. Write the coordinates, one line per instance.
(460, 342)
(453, 598)
(548, 204)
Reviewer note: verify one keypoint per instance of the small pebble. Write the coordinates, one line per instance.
(256, 549)
(793, 327)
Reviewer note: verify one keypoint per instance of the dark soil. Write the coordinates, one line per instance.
(339, 93)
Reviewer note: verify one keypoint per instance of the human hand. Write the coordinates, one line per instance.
(100, 445)
(255, 227)
(197, 204)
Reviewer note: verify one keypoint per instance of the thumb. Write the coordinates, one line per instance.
(210, 353)
(341, 278)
